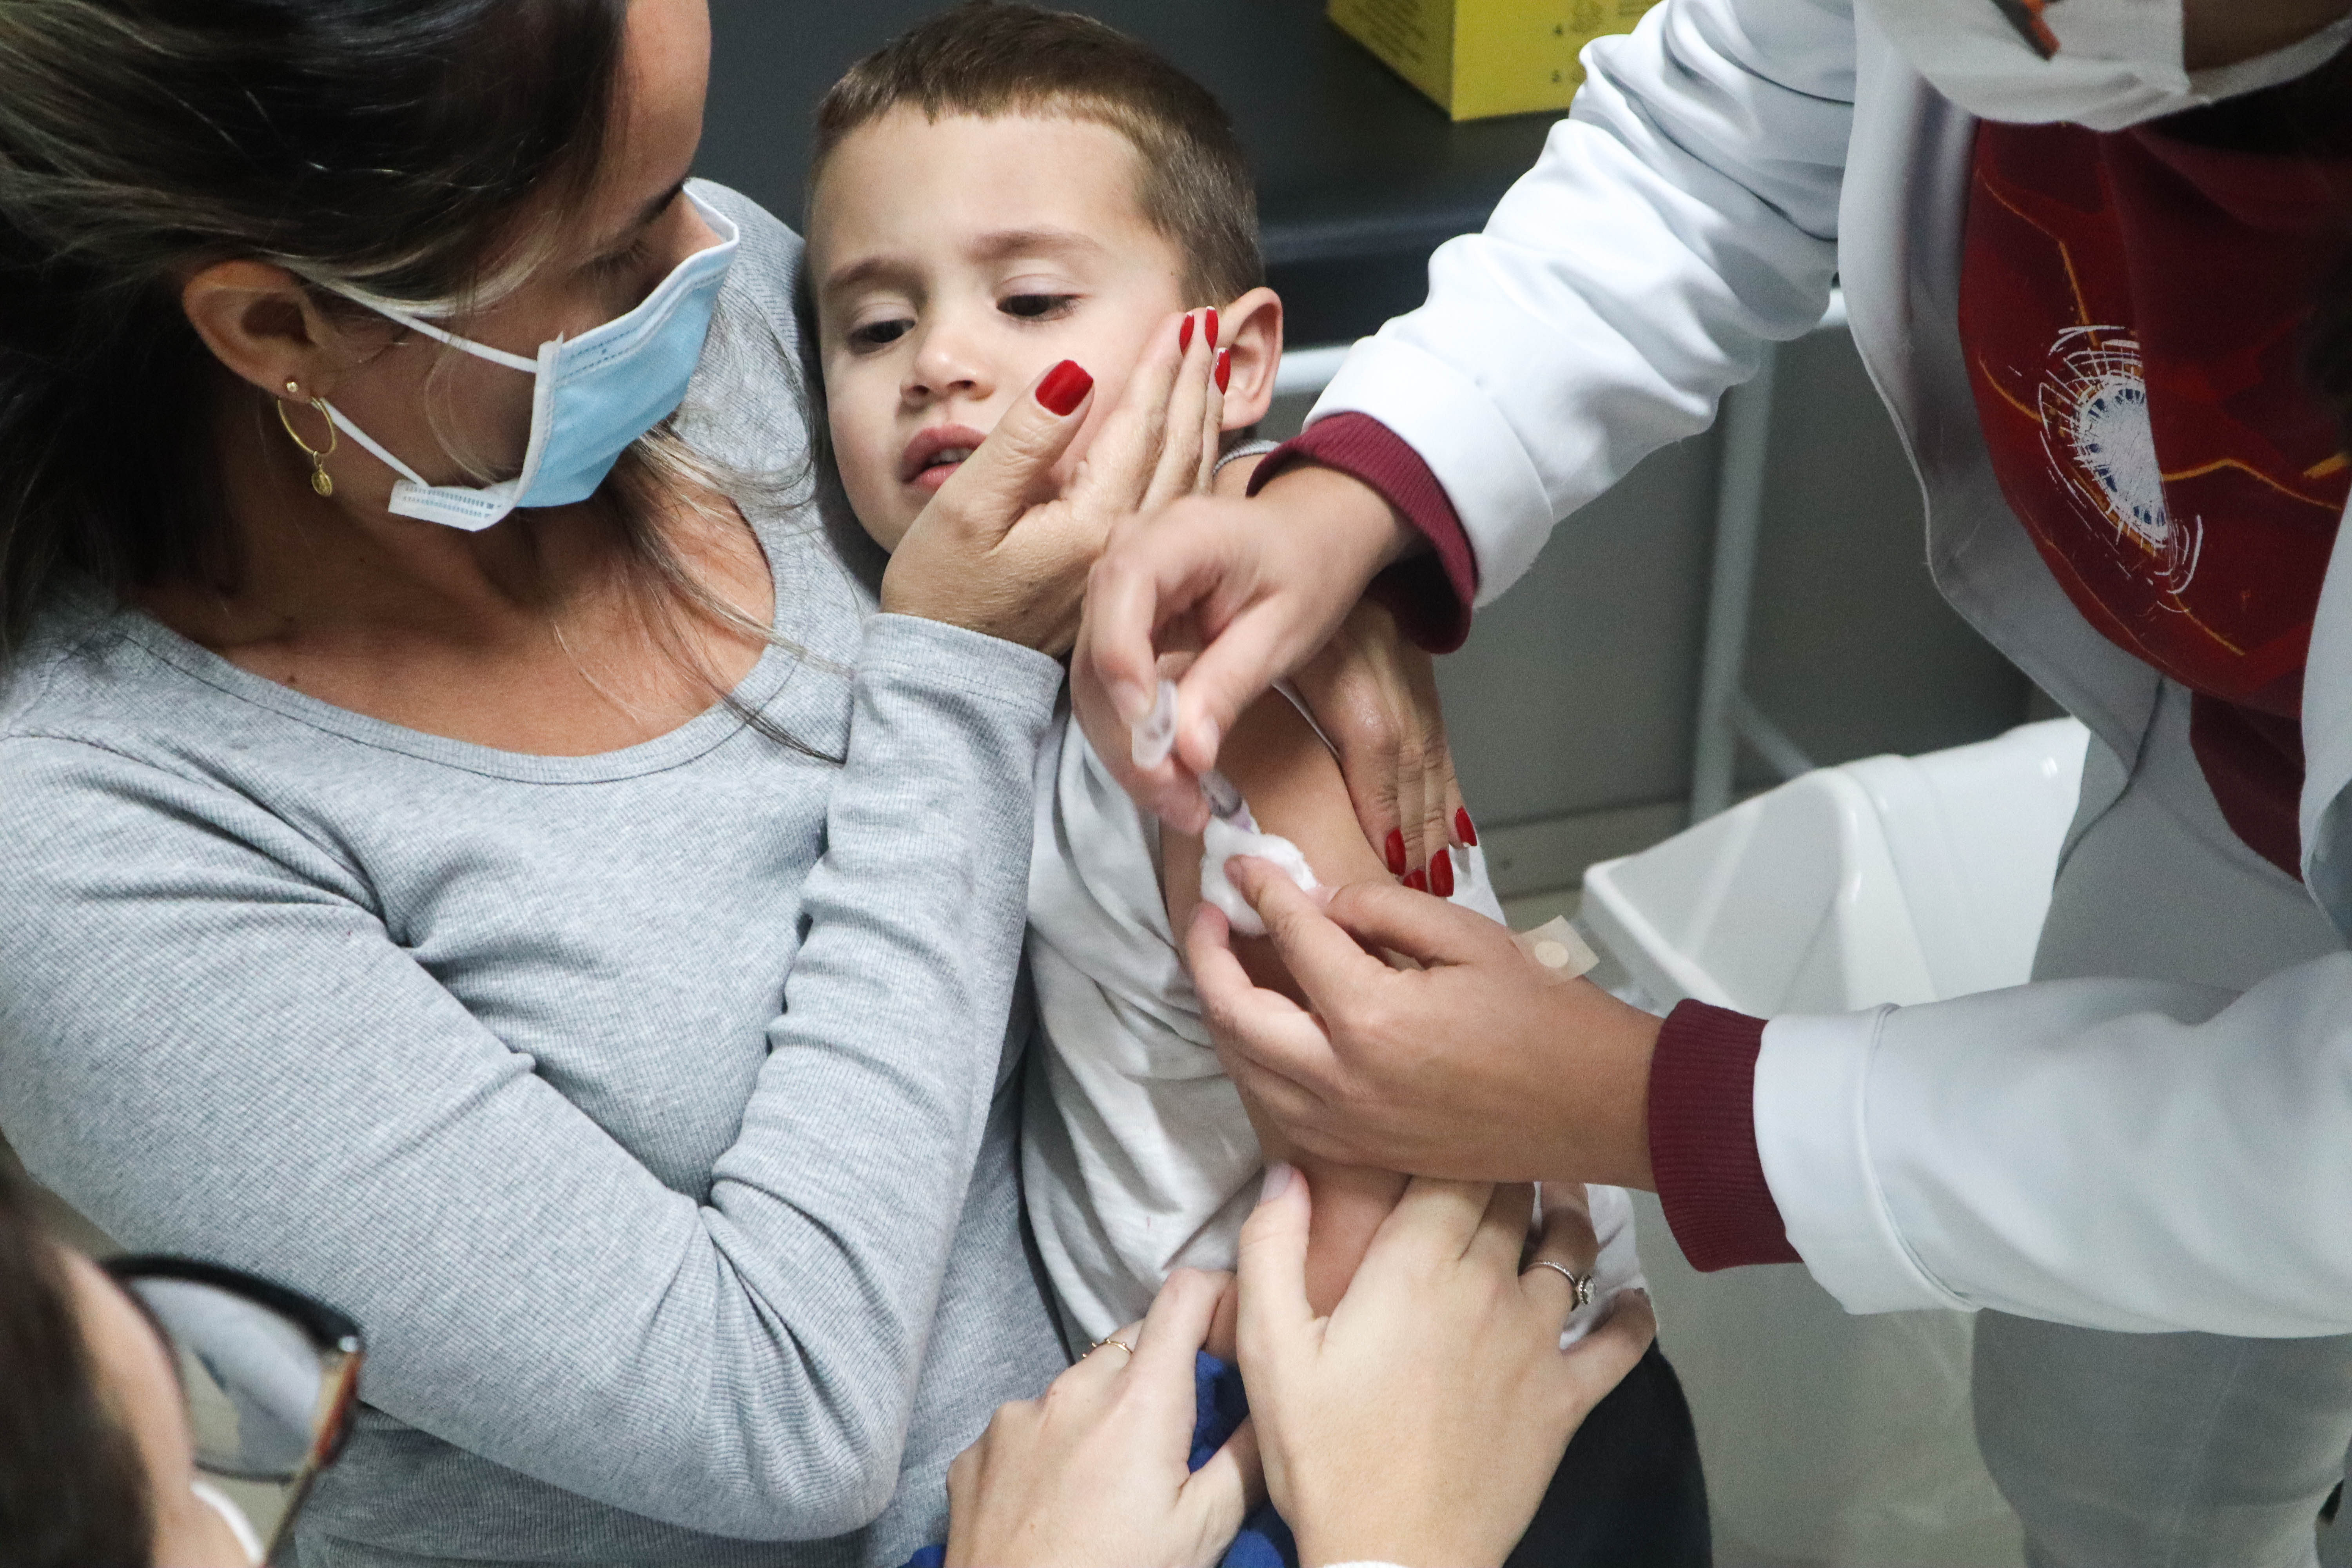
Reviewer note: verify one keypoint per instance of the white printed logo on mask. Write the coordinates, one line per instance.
(2101, 445)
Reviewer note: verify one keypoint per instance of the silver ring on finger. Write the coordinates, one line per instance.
(1579, 1286)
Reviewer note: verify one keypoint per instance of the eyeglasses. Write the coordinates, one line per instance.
(271, 1376)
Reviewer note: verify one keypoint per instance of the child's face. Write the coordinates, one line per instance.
(954, 262)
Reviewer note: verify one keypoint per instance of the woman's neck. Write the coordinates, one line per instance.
(533, 636)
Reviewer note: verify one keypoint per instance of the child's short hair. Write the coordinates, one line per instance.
(989, 59)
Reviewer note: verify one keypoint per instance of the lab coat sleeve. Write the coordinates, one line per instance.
(1682, 213)
(1702, 1153)
(2130, 1155)
(1431, 595)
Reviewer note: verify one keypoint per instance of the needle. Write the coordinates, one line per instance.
(1225, 802)
(1151, 741)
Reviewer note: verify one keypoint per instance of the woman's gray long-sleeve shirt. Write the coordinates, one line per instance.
(652, 1110)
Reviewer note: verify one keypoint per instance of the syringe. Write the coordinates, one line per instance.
(1151, 741)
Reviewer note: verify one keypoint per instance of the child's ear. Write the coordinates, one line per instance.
(1251, 332)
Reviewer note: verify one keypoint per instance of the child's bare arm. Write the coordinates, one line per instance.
(1295, 789)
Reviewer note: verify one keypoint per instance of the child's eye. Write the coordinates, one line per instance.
(1035, 307)
(875, 334)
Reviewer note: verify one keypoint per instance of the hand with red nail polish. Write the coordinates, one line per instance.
(984, 555)
(1462, 828)
(1190, 418)
(1441, 874)
(1221, 379)
(1065, 387)
(1374, 696)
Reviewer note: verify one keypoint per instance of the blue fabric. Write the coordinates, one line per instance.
(1219, 1408)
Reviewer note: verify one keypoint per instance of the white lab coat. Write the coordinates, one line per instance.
(2118, 1154)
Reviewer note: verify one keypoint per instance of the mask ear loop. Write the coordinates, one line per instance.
(321, 482)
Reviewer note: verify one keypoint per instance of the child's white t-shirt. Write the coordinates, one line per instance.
(1136, 1156)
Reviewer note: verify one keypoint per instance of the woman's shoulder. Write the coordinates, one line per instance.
(749, 404)
(767, 267)
(750, 409)
(98, 699)
(104, 740)
(78, 673)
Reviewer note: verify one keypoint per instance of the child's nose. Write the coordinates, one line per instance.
(947, 364)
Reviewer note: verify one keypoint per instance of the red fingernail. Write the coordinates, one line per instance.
(1225, 367)
(1184, 333)
(1462, 828)
(1441, 875)
(1064, 386)
(1211, 325)
(1417, 880)
(1395, 848)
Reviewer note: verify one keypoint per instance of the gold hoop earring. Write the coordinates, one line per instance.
(320, 481)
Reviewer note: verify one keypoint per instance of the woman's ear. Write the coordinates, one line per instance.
(261, 324)
(1252, 333)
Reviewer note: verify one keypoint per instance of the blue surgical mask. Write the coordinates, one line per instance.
(597, 393)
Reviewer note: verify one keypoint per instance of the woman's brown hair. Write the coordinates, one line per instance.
(73, 1489)
(383, 142)
(398, 145)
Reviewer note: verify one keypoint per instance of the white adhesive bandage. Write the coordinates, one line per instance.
(1558, 949)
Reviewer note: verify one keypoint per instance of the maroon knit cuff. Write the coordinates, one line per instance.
(1702, 1141)
(1431, 597)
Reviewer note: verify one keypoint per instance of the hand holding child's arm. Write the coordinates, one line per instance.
(1420, 1422)
(1374, 693)
(1093, 1470)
